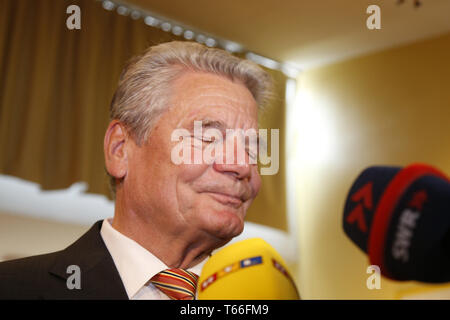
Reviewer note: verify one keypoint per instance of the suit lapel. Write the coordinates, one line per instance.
(98, 274)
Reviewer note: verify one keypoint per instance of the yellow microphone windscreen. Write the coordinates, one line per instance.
(250, 269)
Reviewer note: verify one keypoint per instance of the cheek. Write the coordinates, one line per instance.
(188, 177)
(189, 173)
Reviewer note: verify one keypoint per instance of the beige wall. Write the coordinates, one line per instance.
(22, 236)
(388, 108)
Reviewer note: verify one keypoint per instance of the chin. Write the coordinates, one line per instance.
(225, 224)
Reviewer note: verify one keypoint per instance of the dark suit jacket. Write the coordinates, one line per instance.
(45, 276)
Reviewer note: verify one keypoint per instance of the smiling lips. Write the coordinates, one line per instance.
(227, 199)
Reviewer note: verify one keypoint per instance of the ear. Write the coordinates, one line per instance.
(114, 144)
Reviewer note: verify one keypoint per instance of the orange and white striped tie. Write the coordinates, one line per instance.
(177, 284)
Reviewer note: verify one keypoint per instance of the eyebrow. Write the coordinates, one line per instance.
(217, 124)
(207, 124)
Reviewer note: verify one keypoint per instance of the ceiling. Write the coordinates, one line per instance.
(307, 33)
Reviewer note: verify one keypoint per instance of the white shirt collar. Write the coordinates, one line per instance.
(135, 264)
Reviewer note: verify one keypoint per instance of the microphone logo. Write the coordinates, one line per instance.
(418, 200)
(406, 226)
(244, 263)
(364, 197)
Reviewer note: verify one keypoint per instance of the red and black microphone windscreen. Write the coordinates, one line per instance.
(408, 222)
(361, 202)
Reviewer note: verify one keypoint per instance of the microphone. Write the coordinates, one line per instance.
(246, 270)
(400, 217)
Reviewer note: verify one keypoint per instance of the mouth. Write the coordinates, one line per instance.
(226, 199)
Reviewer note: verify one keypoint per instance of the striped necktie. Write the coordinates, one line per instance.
(177, 284)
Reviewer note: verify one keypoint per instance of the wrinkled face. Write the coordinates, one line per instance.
(204, 198)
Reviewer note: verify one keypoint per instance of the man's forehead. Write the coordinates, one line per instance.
(220, 119)
(211, 103)
(217, 101)
(194, 88)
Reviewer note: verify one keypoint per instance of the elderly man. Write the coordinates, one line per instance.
(168, 216)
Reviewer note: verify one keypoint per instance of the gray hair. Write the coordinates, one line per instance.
(144, 86)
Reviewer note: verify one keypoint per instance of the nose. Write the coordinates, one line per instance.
(239, 171)
(234, 160)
